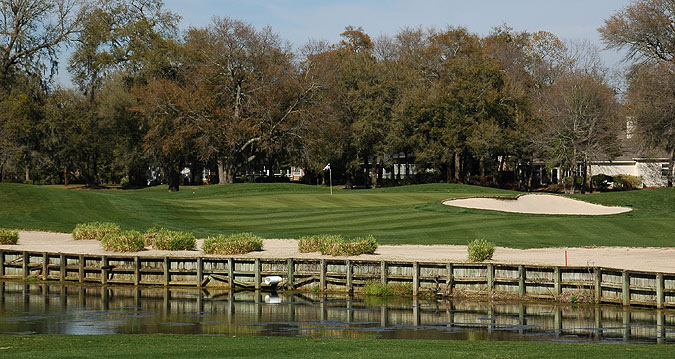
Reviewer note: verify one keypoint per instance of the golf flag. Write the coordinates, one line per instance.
(327, 167)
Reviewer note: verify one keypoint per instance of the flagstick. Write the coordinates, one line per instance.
(330, 178)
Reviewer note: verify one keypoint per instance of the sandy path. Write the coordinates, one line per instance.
(646, 259)
(537, 204)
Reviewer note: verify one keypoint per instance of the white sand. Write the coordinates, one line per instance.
(645, 259)
(537, 204)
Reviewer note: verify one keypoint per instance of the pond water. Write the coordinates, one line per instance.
(53, 308)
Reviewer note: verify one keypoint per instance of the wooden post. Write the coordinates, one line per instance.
(256, 273)
(557, 281)
(80, 268)
(416, 278)
(625, 287)
(449, 282)
(383, 272)
(200, 272)
(598, 285)
(290, 267)
(137, 271)
(62, 267)
(26, 260)
(490, 278)
(348, 264)
(521, 281)
(230, 272)
(322, 274)
(104, 270)
(45, 266)
(2, 263)
(659, 291)
(167, 277)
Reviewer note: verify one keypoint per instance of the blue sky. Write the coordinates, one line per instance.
(300, 20)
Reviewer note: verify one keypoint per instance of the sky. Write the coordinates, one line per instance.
(301, 20)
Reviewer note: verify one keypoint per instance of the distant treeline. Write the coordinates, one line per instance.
(235, 99)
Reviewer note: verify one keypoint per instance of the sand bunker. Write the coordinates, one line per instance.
(537, 204)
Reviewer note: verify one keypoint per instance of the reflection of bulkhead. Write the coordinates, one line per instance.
(272, 299)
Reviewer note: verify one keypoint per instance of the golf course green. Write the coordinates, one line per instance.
(394, 215)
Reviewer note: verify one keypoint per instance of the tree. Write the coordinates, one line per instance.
(645, 28)
(31, 32)
(579, 122)
(651, 105)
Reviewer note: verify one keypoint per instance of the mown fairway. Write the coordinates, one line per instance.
(198, 346)
(399, 215)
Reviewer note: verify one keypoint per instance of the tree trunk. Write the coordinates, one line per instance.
(27, 179)
(481, 164)
(374, 173)
(448, 173)
(173, 175)
(221, 172)
(457, 167)
(65, 176)
(366, 166)
(407, 169)
(671, 164)
(585, 177)
(348, 180)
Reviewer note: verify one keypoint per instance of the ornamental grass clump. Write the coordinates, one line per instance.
(165, 239)
(338, 246)
(240, 243)
(308, 244)
(480, 250)
(94, 230)
(378, 289)
(9, 236)
(123, 241)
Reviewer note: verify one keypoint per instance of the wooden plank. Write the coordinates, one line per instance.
(521, 281)
(449, 282)
(256, 275)
(290, 267)
(490, 278)
(230, 272)
(137, 271)
(104, 271)
(625, 287)
(167, 276)
(62, 267)
(597, 284)
(659, 291)
(557, 281)
(80, 268)
(350, 286)
(322, 274)
(45, 266)
(416, 278)
(383, 272)
(200, 272)
(26, 260)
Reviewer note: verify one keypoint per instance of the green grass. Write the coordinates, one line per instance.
(398, 215)
(193, 346)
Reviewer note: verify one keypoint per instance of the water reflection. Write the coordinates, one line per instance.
(75, 309)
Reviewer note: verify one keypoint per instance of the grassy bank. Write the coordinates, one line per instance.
(399, 215)
(191, 346)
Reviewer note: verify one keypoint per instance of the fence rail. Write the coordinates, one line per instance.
(602, 285)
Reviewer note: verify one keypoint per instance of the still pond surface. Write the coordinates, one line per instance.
(53, 308)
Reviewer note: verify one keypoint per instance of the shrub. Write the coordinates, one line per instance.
(601, 182)
(313, 243)
(123, 241)
(94, 230)
(240, 243)
(626, 182)
(9, 236)
(124, 182)
(338, 246)
(165, 239)
(567, 181)
(480, 250)
(387, 290)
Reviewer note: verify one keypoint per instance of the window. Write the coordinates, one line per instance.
(665, 169)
